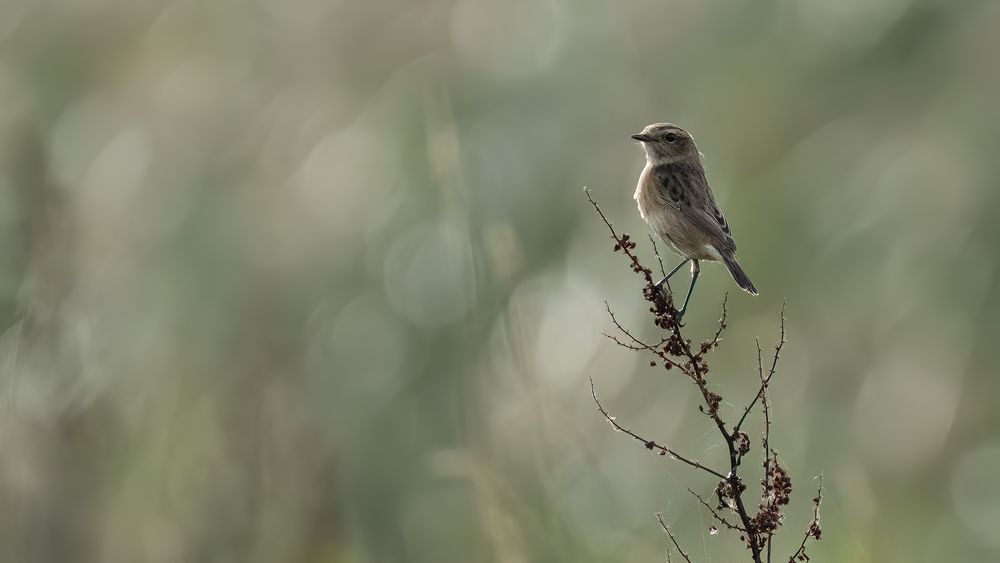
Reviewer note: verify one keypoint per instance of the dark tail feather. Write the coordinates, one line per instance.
(739, 276)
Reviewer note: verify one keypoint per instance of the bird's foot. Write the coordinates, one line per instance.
(679, 316)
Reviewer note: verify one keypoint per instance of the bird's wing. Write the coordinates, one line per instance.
(684, 187)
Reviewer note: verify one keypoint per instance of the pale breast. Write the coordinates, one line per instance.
(669, 223)
(654, 211)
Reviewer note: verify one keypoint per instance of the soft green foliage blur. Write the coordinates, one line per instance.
(315, 280)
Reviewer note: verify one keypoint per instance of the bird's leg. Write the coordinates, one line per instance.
(660, 283)
(695, 270)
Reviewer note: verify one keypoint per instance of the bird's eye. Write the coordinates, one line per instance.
(670, 137)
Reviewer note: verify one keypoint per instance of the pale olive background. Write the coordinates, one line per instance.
(315, 280)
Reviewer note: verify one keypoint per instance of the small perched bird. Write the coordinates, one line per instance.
(675, 200)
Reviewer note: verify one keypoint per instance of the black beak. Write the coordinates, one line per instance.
(642, 137)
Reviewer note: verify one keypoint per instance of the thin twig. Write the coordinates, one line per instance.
(765, 407)
(622, 242)
(586, 191)
(770, 374)
(813, 531)
(766, 438)
(650, 444)
(639, 345)
(722, 323)
(625, 345)
(656, 252)
(672, 538)
(721, 519)
(642, 345)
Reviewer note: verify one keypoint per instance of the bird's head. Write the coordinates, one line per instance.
(666, 142)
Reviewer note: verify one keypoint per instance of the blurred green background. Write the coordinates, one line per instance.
(315, 280)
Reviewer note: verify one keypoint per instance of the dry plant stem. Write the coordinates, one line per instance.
(674, 351)
(693, 365)
(774, 366)
(672, 538)
(700, 369)
(813, 531)
(650, 444)
(715, 514)
(640, 345)
(765, 439)
(656, 251)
